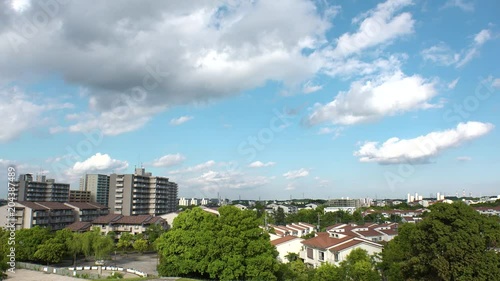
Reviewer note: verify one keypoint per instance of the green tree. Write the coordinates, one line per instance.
(452, 242)
(88, 239)
(141, 245)
(51, 251)
(102, 247)
(28, 240)
(125, 241)
(358, 266)
(153, 232)
(279, 216)
(75, 246)
(187, 249)
(243, 249)
(296, 271)
(328, 272)
(4, 250)
(228, 247)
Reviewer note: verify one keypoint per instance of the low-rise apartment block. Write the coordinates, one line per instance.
(87, 212)
(54, 215)
(119, 224)
(333, 248)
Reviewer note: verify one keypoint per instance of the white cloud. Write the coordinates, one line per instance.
(259, 164)
(214, 50)
(453, 84)
(443, 55)
(296, 174)
(376, 26)
(482, 37)
(354, 67)
(309, 88)
(214, 181)
(119, 120)
(421, 149)
(22, 112)
(97, 163)
(290, 186)
(366, 101)
(180, 120)
(196, 168)
(463, 159)
(169, 160)
(461, 4)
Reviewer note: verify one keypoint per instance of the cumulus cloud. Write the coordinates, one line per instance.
(421, 149)
(379, 25)
(98, 163)
(365, 101)
(169, 160)
(208, 50)
(295, 174)
(259, 164)
(180, 120)
(442, 54)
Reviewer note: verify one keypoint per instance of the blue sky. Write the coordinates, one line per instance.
(269, 99)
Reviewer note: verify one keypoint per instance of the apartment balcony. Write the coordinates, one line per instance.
(118, 201)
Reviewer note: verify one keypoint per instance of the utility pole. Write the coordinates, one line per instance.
(265, 219)
(319, 220)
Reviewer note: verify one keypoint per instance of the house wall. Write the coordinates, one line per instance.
(292, 246)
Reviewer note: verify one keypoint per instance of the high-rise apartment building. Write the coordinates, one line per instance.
(41, 189)
(98, 185)
(141, 194)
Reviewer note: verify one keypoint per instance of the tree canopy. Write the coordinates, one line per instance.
(227, 247)
(453, 242)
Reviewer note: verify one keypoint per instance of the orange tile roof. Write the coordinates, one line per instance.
(283, 240)
(324, 241)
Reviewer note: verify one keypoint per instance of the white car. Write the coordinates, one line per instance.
(99, 262)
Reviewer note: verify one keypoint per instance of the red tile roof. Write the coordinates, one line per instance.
(134, 219)
(346, 245)
(324, 241)
(368, 233)
(284, 240)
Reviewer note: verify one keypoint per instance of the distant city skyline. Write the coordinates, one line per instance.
(266, 99)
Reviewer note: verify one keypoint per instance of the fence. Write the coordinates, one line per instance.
(58, 271)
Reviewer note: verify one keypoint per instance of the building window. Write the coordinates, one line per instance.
(336, 256)
(321, 256)
(309, 253)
